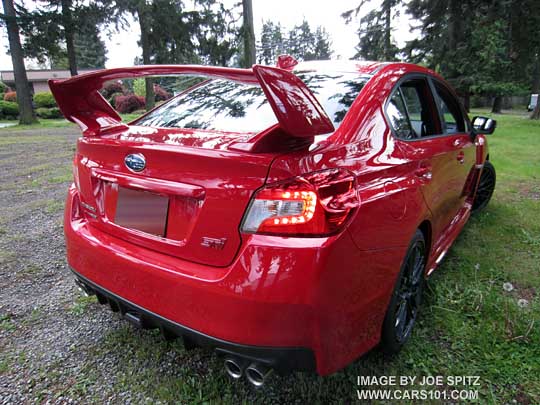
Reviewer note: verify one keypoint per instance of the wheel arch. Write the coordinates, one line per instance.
(425, 228)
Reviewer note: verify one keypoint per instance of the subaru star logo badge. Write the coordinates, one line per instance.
(135, 162)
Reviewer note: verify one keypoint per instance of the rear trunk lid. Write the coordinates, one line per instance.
(187, 202)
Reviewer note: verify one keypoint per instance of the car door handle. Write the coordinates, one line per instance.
(424, 172)
(461, 157)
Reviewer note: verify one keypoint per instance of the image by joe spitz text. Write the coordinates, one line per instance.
(437, 387)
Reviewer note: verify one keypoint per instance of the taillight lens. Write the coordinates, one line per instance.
(315, 204)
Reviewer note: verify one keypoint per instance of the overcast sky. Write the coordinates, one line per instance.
(122, 47)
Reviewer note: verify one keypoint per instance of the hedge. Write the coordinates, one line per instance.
(44, 100)
(48, 113)
(128, 104)
(9, 109)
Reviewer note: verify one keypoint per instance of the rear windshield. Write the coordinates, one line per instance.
(224, 105)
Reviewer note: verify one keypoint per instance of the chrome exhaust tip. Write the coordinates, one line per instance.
(257, 374)
(235, 367)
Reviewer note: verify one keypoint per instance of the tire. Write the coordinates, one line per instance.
(406, 298)
(485, 189)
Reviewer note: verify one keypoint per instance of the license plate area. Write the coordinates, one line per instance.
(142, 211)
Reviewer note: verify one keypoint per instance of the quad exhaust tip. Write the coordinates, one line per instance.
(235, 367)
(257, 374)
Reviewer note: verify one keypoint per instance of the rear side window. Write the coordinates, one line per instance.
(451, 115)
(411, 110)
(397, 113)
(224, 105)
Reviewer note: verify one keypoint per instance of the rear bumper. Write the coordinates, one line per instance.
(282, 359)
(319, 301)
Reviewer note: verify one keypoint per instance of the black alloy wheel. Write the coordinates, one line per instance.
(486, 185)
(406, 298)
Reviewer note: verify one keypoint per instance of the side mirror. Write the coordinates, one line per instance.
(484, 125)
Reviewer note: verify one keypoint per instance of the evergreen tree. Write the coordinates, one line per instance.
(375, 31)
(306, 41)
(478, 45)
(271, 43)
(56, 28)
(323, 47)
(302, 43)
(90, 50)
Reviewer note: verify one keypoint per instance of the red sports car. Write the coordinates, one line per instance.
(285, 216)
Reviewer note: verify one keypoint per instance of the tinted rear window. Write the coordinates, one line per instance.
(223, 105)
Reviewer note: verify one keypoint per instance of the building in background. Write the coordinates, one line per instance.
(38, 78)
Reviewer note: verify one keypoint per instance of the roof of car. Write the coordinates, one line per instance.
(352, 66)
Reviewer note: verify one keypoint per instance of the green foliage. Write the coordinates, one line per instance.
(483, 47)
(301, 43)
(323, 45)
(44, 28)
(204, 34)
(91, 51)
(139, 87)
(271, 44)
(49, 113)
(9, 109)
(3, 87)
(112, 98)
(44, 100)
(375, 31)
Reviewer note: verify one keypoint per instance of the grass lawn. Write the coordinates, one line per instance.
(55, 123)
(470, 325)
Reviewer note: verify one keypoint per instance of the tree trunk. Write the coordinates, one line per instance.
(24, 95)
(497, 105)
(536, 113)
(536, 75)
(387, 31)
(248, 33)
(150, 99)
(467, 101)
(69, 33)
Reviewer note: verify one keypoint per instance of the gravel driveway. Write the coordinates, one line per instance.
(44, 339)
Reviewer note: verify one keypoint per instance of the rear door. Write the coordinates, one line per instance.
(435, 155)
(456, 128)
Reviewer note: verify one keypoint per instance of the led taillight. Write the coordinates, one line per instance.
(315, 204)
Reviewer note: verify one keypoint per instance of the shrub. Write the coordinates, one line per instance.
(112, 98)
(129, 103)
(4, 87)
(44, 100)
(139, 87)
(111, 88)
(9, 109)
(161, 93)
(10, 96)
(49, 113)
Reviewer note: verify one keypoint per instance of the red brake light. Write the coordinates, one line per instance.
(315, 204)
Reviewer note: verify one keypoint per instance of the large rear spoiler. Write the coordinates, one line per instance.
(296, 108)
